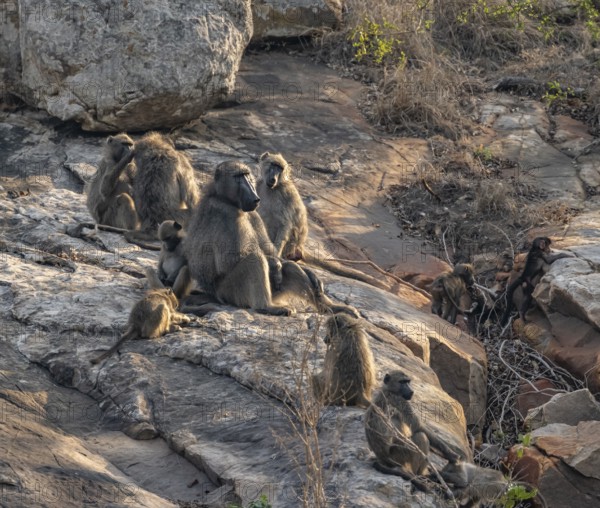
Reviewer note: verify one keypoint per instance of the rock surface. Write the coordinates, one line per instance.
(565, 408)
(130, 66)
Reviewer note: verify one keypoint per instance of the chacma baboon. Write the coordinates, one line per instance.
(348, 375)
(286, 221)
(448, 289)
(164, 187)
(281, 207)
(172, 264)
(109, 193)
(151, 317)
(538, 259)
(396, 435)
(231, 257)
(475, 484)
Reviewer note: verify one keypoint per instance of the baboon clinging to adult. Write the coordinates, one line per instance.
(286, 221)
(164, 187)
(109, 193)
(151, 317)
(448, 289)
(538, 259)
(231, 257)
(348, 375)
(395, 433)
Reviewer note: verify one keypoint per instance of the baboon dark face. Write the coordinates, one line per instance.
(272, 175)
(235, 184)
(541, 243)
(170, 233)
(399, 383)
(247, 197)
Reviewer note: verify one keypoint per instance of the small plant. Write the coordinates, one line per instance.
(377, 42)
(515, 495)
(261, 502)
(556, 93)
(525, 441)
(484, 154)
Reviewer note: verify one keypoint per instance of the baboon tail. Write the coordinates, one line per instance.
(509, 301)
(129, 334)
(343, 271)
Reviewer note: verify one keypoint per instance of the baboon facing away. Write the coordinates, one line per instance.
(151, 317)
(164, 187)
(231, 257)
(395, 433)
(286, 221)
(348, 375)
(109, 193)
(448, 289)
(539, 257)
(281, 207)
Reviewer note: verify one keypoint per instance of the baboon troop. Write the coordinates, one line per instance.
(395, 433)
(151, 317)
(109, 193)
(348, 376)
(538, 259)
(164, 187)
(448, 289)
(230, 254)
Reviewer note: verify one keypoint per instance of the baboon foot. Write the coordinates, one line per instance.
(277, 311)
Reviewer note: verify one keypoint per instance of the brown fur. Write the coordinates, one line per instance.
(172, 264)
(110, 189)
(348, 376)
(448, 289)
(230, 254)
(395, 433)
(164, 187)
(151, 317)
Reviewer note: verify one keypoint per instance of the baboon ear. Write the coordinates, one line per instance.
(177, 226)
(263, 156)
(386, 379)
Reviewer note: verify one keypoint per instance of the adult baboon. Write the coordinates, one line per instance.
(395, 433)
(164, 187)
(151, 317)
(448, 289)
(286, 221)
(475, 484)
(172, 264)
(231, 257)
(538, 259)
(348, 375)
(109, 193)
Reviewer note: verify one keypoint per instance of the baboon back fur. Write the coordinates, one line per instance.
(164, 187)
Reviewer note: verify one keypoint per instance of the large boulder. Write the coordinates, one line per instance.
(126, 65)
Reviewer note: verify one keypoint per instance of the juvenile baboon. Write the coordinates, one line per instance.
(395, 433)
(231, 257)
(164, 187)
(109, 193)
(284, 215)
(172, 264)
(281, 207)
(448, 289)
(538, 259)
(348, 375)
(151, 317)
(475, 484)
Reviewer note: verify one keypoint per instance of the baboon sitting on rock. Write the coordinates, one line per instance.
(230, 254)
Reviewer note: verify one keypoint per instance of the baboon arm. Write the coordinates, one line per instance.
(262, 236)
(183, 283)
(111, 178)
(551, 258)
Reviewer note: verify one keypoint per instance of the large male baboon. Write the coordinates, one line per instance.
(286, 220)
(448, 289)
(231, 257)
(540, 256)
(151, 317)
(395, 433)
(164, 187)
(109, 192)
(348, 375)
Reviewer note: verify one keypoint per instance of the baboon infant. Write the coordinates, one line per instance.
(109, 193)
(151, 317)
(231, 257)
(395, 433)
(164, 187)
(282, 209)
(348, 375)
(448, 289)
